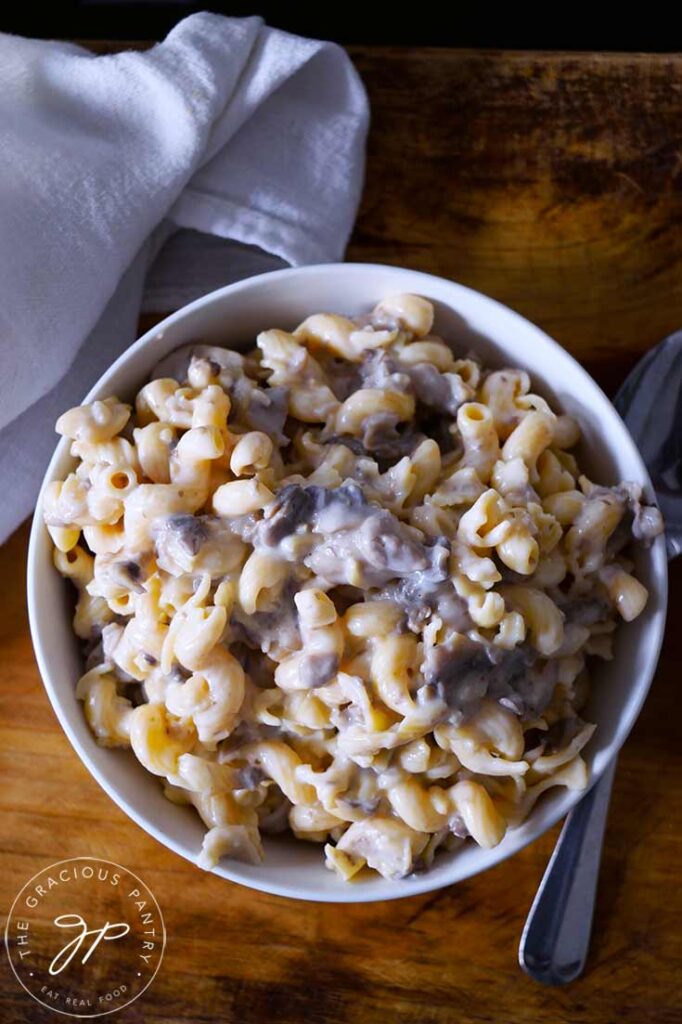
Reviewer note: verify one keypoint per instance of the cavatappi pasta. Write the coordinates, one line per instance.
(347, 585)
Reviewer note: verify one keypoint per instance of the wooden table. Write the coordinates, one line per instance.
(552, 183)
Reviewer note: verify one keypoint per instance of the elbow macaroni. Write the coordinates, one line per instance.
(302, 611)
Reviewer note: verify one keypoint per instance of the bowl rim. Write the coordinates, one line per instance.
(350, 893)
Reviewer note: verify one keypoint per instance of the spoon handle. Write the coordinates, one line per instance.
(556, 938)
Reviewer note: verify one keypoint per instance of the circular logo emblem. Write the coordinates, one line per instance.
(85, 937)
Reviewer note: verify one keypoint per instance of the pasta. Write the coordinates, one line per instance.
(349, 584)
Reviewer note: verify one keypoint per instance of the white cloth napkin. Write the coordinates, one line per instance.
(228, 128)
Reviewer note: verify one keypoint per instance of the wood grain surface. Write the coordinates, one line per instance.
(552, 183)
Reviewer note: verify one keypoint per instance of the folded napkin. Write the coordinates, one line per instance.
(228, 129)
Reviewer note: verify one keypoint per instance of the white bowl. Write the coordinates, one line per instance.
(233, 316)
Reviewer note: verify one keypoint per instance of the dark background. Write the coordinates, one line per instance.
(515, 26)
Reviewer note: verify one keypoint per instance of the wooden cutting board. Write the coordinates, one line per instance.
(553, 183)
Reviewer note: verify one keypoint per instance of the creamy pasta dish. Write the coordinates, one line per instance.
(347, 585)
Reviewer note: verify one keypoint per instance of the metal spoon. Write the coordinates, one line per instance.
(556, 938)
